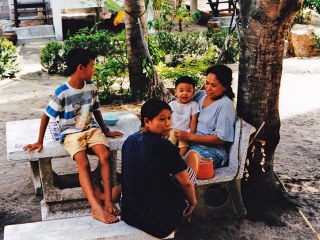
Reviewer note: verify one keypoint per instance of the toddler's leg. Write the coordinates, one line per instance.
(183, 151)
(85, 182)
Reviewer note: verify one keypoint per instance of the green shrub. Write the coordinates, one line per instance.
(316, 45)
(302, 17)
(8, 59)
(217, 37)
(52, 57)
(101, 42)
(312, 4)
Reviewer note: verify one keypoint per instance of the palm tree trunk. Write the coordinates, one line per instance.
(138, 81)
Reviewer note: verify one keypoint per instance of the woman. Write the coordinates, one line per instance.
(215, 128)
(155, 180)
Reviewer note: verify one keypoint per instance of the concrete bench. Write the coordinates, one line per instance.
(79, 228)
(230, 175)
(70, 202)
(58, 202)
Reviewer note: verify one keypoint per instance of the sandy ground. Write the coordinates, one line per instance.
(297, 159)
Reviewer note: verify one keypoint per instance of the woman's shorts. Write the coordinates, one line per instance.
(207, 152)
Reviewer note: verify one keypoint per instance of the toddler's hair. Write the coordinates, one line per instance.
(151, 108)
(78, 56)
(224, 75)
(185, 79)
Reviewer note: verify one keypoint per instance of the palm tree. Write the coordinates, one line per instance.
(139, 83)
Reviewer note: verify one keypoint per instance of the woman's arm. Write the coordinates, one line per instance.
(192, 137)
(188, 189)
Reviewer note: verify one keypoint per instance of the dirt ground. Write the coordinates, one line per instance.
(297, 159)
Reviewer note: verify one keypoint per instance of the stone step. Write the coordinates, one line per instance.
(34, 33)
(79, 228)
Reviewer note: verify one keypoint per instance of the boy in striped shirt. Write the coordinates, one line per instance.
(77, 106)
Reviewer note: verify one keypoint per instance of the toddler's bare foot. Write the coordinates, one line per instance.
(99, 214)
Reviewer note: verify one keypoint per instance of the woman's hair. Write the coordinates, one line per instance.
(78, 56)
(224, 75)
(151, 108)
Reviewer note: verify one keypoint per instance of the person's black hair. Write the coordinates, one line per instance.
(224, 75)
(151, 108)
(78, 56)
(185, 79)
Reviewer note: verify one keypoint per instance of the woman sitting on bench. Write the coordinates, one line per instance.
(155, 180)
(215, 128)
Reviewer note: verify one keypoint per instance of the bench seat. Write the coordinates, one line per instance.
(230, 175)
(78, 228)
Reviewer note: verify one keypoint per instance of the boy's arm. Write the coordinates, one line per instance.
(39, 144)
(98, 116)
(194, 122)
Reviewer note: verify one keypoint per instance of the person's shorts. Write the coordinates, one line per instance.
(76, 142)
(207, 152)
(192, 177)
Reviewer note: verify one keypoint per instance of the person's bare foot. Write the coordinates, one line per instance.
(110, 217)
(112, 209)
(99, 214)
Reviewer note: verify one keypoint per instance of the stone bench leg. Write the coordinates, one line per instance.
(35, 177)
(113, 162)
(236, 198)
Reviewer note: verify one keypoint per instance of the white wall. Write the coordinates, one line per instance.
(58, 5)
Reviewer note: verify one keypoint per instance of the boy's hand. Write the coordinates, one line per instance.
(113, 134)
(30, 147)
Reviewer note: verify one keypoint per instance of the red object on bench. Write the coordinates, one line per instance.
(206, 169)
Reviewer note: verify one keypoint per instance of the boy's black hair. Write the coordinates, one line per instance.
(78, 56)
(152, 108)
(185, 79)
(224, 75)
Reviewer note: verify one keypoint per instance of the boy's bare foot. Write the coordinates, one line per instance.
(99, 214)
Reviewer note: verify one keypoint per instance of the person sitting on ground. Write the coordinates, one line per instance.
(184, 111)
(155, 180)
(77, 106)
(215, 128)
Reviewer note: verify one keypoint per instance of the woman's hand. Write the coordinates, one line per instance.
(189, 210)
(182, 135)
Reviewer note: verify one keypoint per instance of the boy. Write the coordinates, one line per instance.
(184, 111)
(76, 103)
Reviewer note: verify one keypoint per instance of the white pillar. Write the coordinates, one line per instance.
(58, 5)
(193, 5)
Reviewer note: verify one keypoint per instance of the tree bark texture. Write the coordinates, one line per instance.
(138, 81)
(264, 24)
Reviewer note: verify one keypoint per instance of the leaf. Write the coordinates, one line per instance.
(119, 18)
(112, 5)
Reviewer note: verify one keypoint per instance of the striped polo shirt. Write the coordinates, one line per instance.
(74, 107)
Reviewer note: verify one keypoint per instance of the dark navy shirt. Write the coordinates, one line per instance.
(150, 200)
